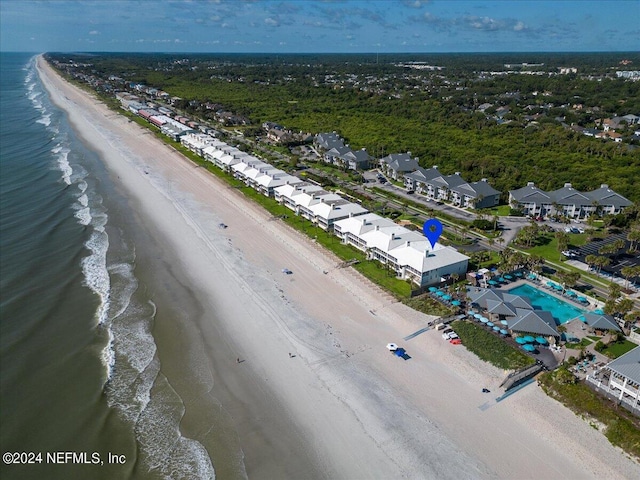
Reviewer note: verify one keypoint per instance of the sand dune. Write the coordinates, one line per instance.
(343, 402)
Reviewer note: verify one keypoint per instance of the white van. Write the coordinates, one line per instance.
(440, 326)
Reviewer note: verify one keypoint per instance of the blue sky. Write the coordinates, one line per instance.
(319, 25)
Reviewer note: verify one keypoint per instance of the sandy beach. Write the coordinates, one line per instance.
(316, 394)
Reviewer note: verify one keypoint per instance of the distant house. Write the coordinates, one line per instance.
(571, 202)
(531, 200)
(607, 200)
(396, 165)
(475, 195)
(419, 179)
(567, 201)
(327, 141)
(337, 153)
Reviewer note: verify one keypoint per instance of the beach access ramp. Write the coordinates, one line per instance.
(519, 376)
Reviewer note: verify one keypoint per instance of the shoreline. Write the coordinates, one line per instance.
(351, 408)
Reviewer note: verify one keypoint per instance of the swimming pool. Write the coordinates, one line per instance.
(561, 311)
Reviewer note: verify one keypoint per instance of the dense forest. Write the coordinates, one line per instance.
(384, 104)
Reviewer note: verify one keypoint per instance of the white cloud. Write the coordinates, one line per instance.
(94, 32)
(271, 22)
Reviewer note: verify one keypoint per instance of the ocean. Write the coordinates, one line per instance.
(79, 365)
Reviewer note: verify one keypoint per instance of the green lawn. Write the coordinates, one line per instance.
(617, 349)
(583, 343)
(426, 304)
(490, 347)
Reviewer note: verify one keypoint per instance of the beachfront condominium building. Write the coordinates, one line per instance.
(623, 379)
(406, 252)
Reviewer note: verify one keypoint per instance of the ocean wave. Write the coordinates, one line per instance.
(45, 120)
(62, 158)
(83, 200)
(94, 268)
(163, 448)
(84, 216)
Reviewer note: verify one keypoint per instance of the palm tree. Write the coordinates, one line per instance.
(634, 237)
(614, 291)
(627, 273)
(563, 241)
(624, 306)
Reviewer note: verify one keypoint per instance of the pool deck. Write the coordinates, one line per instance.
(574, 327)
(540, 284)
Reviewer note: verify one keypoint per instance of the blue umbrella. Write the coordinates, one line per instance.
(471, 313)
(483, 320)
(501, 279)
(456, 303)
(529, 348)
(518, 274)
(490, 324)
(477, 315)
(503, 332)
(521, 340)
(433, 289)
(492, 282)
(571, 294)
(582, 299)
(599, 311)
(541, 340)
(508, 277)
(497, 329)
(504, 322)
(439, 293)
(529, 339)
(446, 297)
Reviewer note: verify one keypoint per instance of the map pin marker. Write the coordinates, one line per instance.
(432, 229)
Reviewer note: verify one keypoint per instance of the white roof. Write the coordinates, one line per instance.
(389, 237)
(259, 170)
(332, 209)
(306, 199)
(291, 191)
(271, 180)
(363, 223)
(420, 256)
(246, 164)
(214, 147)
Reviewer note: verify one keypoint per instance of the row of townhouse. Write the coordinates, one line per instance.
(567, 201)
(407, 253)
(436, 186)
(335, 152)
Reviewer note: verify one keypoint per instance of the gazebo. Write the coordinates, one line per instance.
(602, 323)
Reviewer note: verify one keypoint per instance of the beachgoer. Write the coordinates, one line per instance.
(238, 360)
(290, 355)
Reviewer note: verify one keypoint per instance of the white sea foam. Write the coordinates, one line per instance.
(130, 353)
(84, 216)
(95, 272)
(64, 166)
(45, 120)
(83, 200)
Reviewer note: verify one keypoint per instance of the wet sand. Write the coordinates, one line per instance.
(342, 407)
